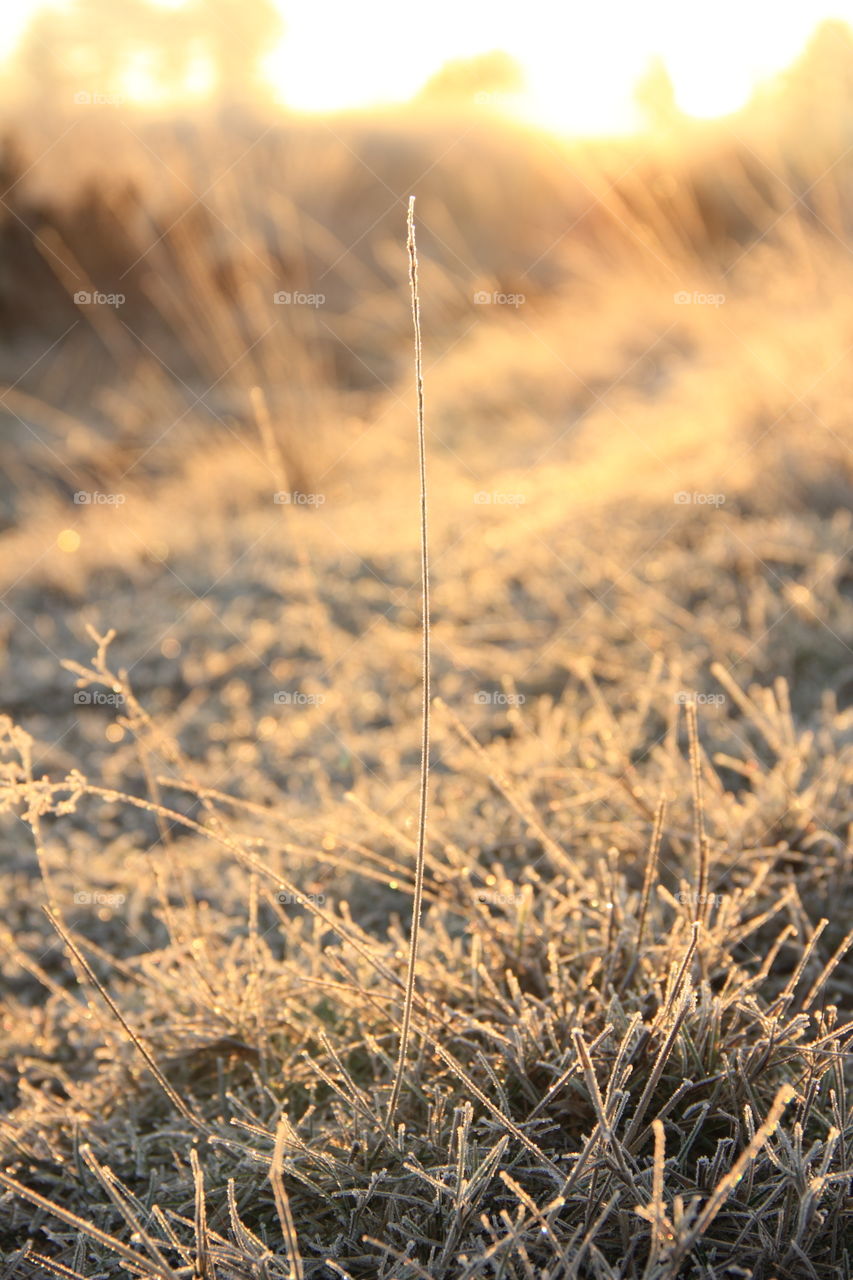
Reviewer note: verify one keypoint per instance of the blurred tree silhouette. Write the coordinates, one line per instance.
(820, 83)
(464, 80)
(94, 45)
(655, 97)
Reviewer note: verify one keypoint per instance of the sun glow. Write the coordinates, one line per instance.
(577, 67)
(581, 63)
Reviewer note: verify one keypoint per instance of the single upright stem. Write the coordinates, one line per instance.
(425, 706)
(700, 909)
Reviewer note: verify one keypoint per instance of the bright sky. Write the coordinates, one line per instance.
(581, 58)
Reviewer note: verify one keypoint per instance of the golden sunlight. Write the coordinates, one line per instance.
(426, 639)
(579, 70)
(580, 65)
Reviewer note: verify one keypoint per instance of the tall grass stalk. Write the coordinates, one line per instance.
(425, 707)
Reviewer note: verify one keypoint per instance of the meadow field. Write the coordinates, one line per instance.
(631, 1022)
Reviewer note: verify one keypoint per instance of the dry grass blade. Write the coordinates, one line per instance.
(655, 1213)
(112, 1243)
(203, 1262)
(282, 1202)
(700, 906)
(510, 1035)
(728, 1183)
(417, 904)
(174, 1097)
(651, 867)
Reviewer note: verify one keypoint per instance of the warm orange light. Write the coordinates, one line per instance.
(580, 65)
(68, 541)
